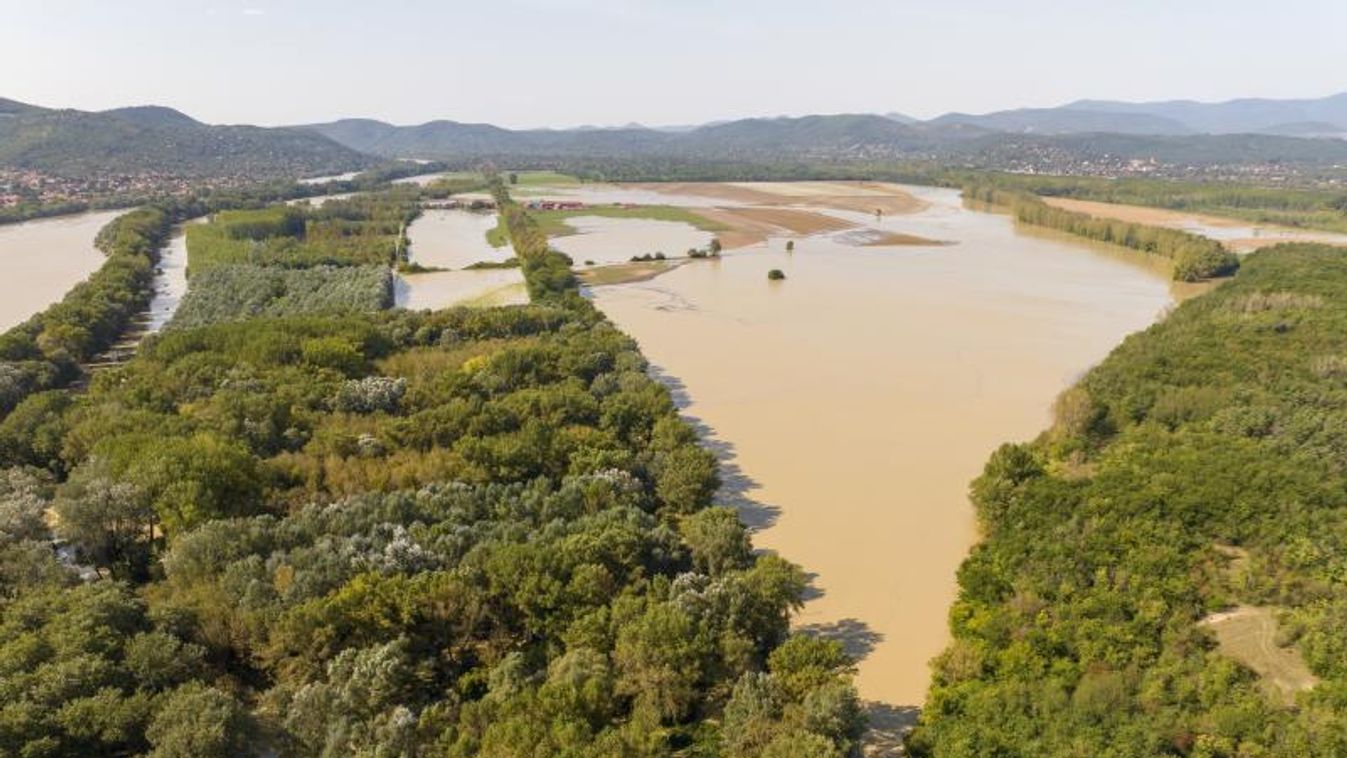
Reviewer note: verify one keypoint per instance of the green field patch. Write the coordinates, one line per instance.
(539, 178)
(229, 293)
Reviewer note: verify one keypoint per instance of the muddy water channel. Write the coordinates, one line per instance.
(452, 240)
(170, 281)
(853, 402)
(42, 260)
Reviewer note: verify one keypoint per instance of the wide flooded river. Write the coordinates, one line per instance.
(41, 260)
(853, 402)
(453, 240)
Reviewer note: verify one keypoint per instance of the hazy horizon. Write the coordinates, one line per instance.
(538, 64)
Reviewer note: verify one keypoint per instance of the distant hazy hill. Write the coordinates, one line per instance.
(1190, 150)
(1007, 139)
(152, 138)
(1307, 129)
(1068, 121)
(1234, 116)
(838, 135)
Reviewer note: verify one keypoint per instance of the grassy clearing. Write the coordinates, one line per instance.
(498, 235)
(1249, 635)
(541, 178)
(626, 273)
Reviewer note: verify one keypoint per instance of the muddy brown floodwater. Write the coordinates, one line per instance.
(853, 402)
(42, 260)
(452, 240)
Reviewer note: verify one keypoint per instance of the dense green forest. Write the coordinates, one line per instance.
(1203, 465)
(1195, 257)
(366, 229)
(466, 532)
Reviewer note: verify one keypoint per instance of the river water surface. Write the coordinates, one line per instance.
(42, 260)
(853, 402)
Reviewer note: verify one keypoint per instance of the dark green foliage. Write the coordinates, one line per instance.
(1108, 539)
(84, 671)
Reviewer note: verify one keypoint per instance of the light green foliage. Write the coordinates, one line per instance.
(226, 293)
(362, 230)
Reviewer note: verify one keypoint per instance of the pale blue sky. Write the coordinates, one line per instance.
(569, 62)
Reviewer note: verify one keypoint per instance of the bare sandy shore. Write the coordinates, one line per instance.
(1140, 214)
(1228, 230)
(756, 211)
(862, 197)
(627, 273)
(749, 226)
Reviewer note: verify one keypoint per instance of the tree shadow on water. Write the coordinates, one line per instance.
(734, 483)
(811, 589)
(856, 636)
(889, 725)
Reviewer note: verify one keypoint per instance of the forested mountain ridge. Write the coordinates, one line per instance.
(747, 137)
(153, 139)
(1038, 141)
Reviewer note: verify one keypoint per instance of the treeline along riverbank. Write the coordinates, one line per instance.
(1195, 257)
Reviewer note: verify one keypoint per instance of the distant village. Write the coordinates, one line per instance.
(25, 186)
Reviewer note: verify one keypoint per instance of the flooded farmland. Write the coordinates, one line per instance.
(452, 240)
